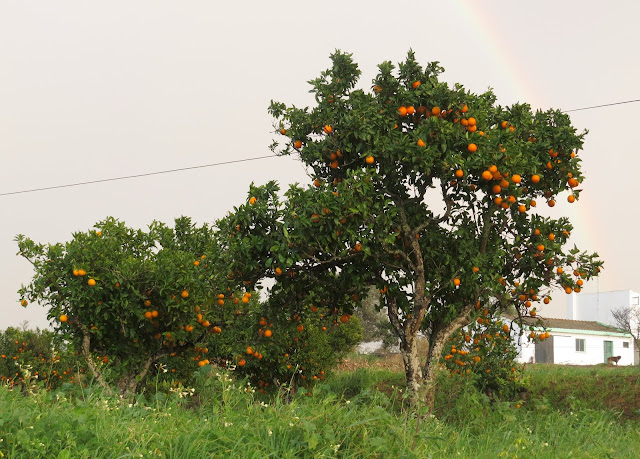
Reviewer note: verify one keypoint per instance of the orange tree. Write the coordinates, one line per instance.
(128, 297)
(424, 190)
(485, 351)
(30, 357)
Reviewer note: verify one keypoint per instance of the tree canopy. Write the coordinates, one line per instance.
(428, 192)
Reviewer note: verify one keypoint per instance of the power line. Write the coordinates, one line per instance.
(147, 174)
(603, 105)
(169, 171)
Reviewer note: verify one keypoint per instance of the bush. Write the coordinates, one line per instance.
(30, 357)
(485, 352)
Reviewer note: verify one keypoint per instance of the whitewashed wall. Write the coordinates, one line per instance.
(564, 349)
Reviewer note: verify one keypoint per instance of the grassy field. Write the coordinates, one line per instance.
(359, 412)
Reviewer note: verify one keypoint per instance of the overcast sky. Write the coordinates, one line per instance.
(95, 90)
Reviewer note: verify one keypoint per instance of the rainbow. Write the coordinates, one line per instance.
(523, 89)
(498, 50)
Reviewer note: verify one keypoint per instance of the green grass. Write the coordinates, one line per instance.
(360, 413)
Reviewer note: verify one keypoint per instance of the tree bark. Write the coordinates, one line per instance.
(86, 352)
(412, 368)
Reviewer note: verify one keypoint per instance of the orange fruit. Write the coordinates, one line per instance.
(435, 111)
(268, 333)
(278, 271)
(540, 248)
(459, 173)
(315, 218)
(154, 313)
(81, 272)
(369, 159)
(551, 203)
(516, 178)
(487, 175)
(471, 121)
(402, 111)
(345, 318)
(472, 128)
(24, 303)
(464, 109)
(189, 328)
(472, 147)
(63, 318)
(411, 110)
(421, 143)
(415, 84)
(551, 236)
(147, 303)
(522, 208)
(504, 125)
(283, 131)
(253, 200)
(327, 129)
(496, 189)
(184, 294)
(456, 281)
(297, 144)
(573, 182)
(571, 198)
(76, 272)
(535, 178)
(300, 327)
(91, 282)
(334, 164)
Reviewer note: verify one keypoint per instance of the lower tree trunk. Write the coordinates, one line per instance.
(86, 352)
(412, 369)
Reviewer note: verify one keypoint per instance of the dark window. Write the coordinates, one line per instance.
(579, 345)
(625, 344)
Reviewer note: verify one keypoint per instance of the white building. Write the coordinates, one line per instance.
(575, 342)
(598, 306)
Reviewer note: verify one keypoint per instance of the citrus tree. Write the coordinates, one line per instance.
(428, 192)
(128, 297)
(485, 350)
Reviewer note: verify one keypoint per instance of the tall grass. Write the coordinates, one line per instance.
(356, 414)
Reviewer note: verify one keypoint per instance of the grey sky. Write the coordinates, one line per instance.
(94, 90)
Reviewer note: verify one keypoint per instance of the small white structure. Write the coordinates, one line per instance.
(574, 342)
